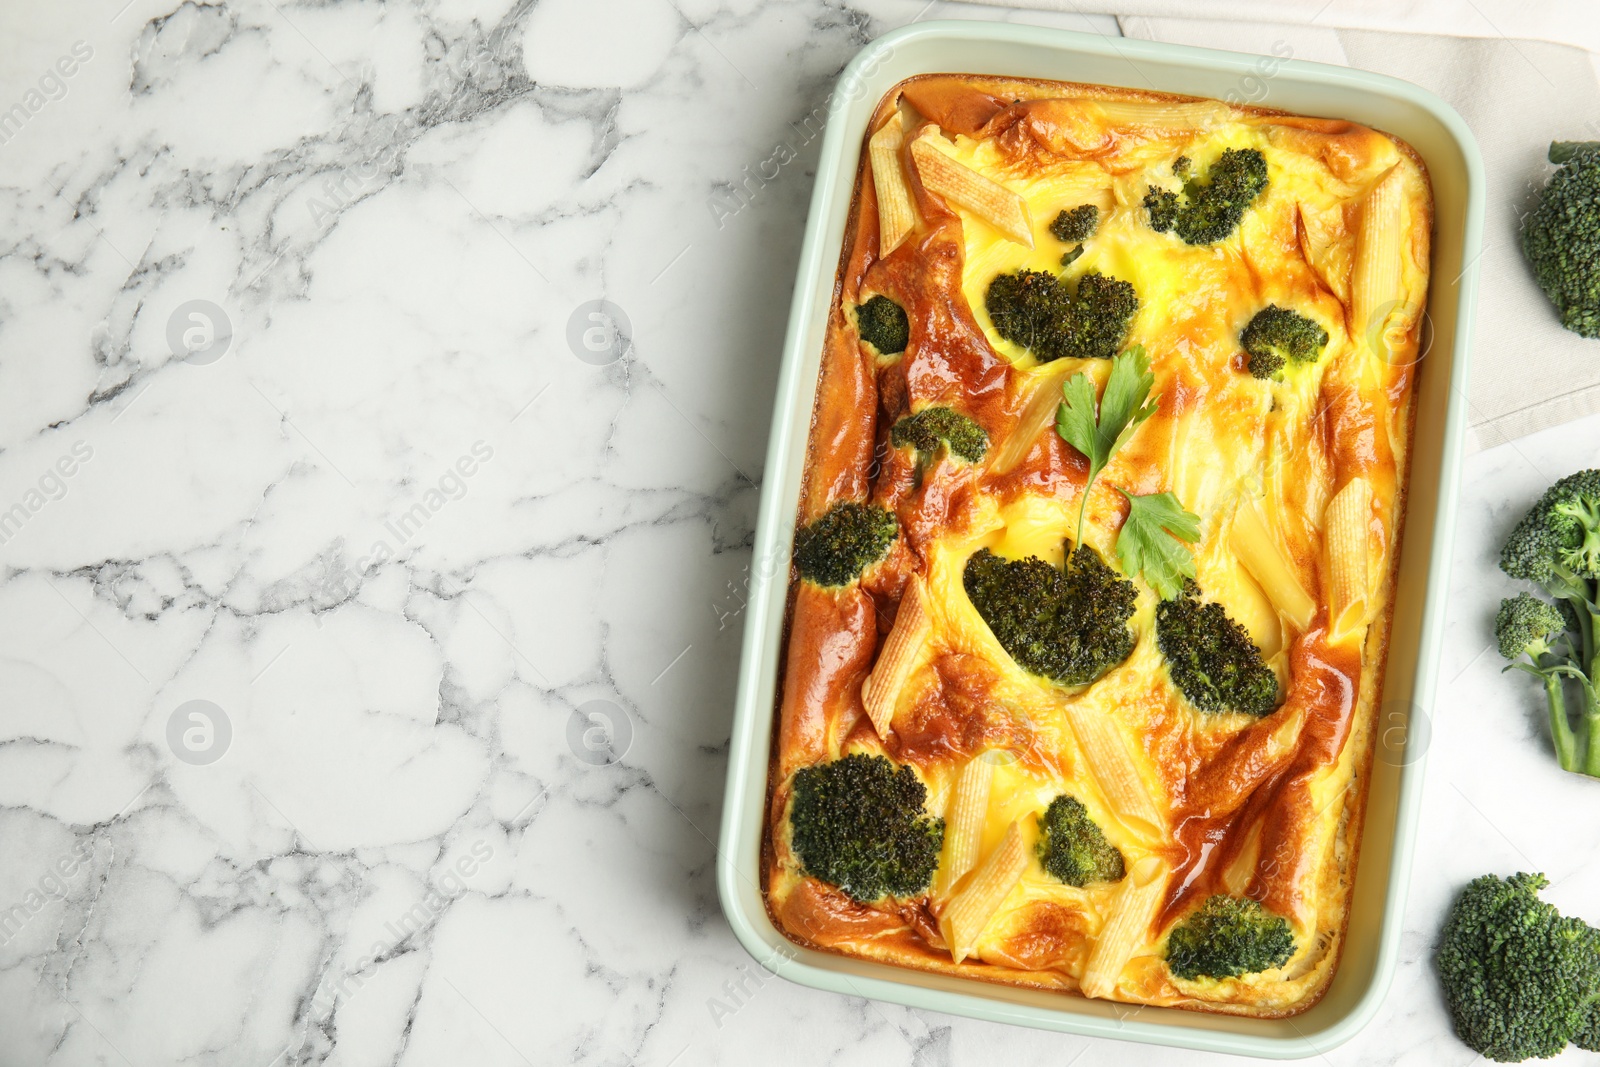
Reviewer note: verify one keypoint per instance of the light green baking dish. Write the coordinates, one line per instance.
(1378, 904)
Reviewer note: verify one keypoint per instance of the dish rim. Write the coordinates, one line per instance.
(755, 703)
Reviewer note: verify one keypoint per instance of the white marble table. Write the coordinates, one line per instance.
(324, 508)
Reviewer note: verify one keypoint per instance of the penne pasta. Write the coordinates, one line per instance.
(1269, 565)
(898, 657)
(985, 889)
(1236, 876)
(1346, 531)
(1156, 114)
(1377, 288)
(1040, 413)
(969, 810)
(1108, 754)
(897, 216)
(1126, 928)
(966, 188)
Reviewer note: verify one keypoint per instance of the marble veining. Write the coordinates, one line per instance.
(384, 392)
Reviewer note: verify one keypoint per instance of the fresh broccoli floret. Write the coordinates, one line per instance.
(845, 541)
(1226, 937)
(1209, 209)
(1561, 237)
(1558, 541)
(1588, 1032)
(1277, 335)
(858, 823)
(1070, 626)
(925, 430)
(1557, 547)
(1038, 311)
(1520, 979)
(1525, 625)
(883, 324)
(1211, 658)
(1073, 848)
(1075, 225)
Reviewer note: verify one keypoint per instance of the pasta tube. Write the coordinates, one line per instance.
(1114, 767)
(986, 889)
(1264, 558)
(969, 810)
(896, 214)
(898, 658)
(1377, 287)
(966, 188)
(1126, 928)
(1348, 516)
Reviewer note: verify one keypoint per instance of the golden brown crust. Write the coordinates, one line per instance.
(1269, 808)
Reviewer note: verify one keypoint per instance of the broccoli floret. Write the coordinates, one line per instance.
(1277, 335)
(1180, 166)
(1211, 658)
(1520, 979)
(925, 430)
(1070, 626)
(1525, 625)
(1561, 237)
(1226, 937)
(1077, 224)
(1073, 848)
(1587, 1035)
(1209, 209)
(1557, 547)
(883, 324)
(845, 541)
(1559, 539)
(1038, 311)
(858, 823)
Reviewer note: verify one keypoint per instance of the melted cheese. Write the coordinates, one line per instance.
(1221, 437)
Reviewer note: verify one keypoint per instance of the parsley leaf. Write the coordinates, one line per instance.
(1098, 434)
(1152, 541)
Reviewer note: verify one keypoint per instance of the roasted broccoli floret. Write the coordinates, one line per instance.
(1520, 979)
(1076, 225)
(1226, 937)
(845, 541)
(1277, 335)
(925, 430)
(1211, 658)
(1209, 209)
(1073, 848)
(1070, 625)
(858, 823)
(1040, 312)
(1561, 237)
(1557, 547)
(883, 324)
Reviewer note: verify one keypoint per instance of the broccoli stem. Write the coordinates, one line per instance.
(1560, 728)
(1590, 730)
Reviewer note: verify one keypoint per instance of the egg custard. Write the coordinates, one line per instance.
(1023, 737)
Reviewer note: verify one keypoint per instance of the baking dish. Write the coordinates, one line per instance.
(1377, 908)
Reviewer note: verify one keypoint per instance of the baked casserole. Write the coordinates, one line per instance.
(1097, 716)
